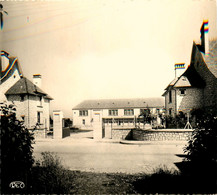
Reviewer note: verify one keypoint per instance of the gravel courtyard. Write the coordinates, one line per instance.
(85, 154)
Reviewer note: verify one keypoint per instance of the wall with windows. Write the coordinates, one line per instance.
(31, 109)
(170, 102)
(83, 119)
(183, 99)
(192, 99)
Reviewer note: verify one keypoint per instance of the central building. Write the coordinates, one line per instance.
(115, 112)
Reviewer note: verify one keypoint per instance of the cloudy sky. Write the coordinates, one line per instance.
(90, 49)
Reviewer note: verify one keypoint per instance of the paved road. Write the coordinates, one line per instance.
(89, 155)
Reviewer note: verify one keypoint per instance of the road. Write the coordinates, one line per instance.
(90, 155)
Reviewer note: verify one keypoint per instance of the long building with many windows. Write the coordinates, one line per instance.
(119, 112)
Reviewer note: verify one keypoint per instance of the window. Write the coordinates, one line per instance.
(40, 98)
(83, 113)
(113, 112)
(170, 111)
(170, 96)
(38, 117)
(22, 98)
(83, 121)
(39, 101)
(182, 91)
(128, 112)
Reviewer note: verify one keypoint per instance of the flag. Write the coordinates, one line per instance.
(179, 66)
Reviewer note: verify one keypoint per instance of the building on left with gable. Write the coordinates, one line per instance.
(32, 103)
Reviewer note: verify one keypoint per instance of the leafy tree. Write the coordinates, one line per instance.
(16, 148)
(146, 114)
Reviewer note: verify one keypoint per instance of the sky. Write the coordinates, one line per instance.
(99, 49)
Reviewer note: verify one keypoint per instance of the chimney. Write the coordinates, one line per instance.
(204, 37)
(37, 80)
(4, 60)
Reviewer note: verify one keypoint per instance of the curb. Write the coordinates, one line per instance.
(153, 142)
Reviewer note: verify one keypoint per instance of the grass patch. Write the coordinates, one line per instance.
(164, 181)
(49, 176)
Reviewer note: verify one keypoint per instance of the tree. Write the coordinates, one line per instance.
(146, 114)
(16, 148)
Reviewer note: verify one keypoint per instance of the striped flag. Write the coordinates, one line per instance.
(179, 66)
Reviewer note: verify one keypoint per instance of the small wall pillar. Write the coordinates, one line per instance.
(97, 125)
(57, 124)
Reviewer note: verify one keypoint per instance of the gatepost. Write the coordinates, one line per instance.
(57, 124)
(97, 124)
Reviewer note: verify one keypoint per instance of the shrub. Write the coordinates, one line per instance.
(178, 122)
(162, 180)
(16, 148)
(201, 158)
(49, 175)
(203, 145)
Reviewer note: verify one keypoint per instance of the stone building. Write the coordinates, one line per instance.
(196, 88)
(118, 112)
(32, 104)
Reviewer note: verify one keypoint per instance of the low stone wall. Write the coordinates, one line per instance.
(39, 133)
(119, 133)
(162, 135)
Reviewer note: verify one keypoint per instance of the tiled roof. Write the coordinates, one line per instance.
(211, 58)
(183, 82)
(25, 86)
(193, 77)
(172, 83)
(190, 78)
(121, 103)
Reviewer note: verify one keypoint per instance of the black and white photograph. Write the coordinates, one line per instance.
(108, 96)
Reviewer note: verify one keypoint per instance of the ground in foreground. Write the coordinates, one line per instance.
(119, 183)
